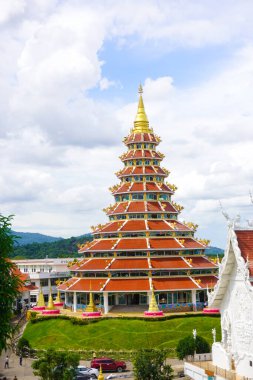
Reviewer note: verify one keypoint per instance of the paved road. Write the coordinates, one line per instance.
(25, 371)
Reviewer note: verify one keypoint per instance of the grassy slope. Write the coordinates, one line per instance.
(117, 334)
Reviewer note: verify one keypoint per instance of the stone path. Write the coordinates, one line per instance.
(23, 372)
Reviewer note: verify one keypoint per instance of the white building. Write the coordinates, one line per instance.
(44, 273)
(233, 295)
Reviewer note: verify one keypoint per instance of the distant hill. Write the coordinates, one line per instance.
(59, 248)
(42, 246)
(214, 251)
(31, 237)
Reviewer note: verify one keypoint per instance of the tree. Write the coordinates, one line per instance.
(9, 282)
(56, 365)
(189, 345)
(149, 364)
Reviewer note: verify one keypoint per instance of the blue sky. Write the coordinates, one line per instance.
(69, 74)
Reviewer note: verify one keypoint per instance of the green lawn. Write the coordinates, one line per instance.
(117, 334)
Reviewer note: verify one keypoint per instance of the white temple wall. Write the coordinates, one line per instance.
(237, 326)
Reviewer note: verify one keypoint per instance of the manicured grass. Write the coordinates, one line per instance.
(117, 334)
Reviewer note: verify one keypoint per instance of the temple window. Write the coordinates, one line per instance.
(149, 178)
(125, 197)
(151, 196)
(155, 162)
(147, 162)
(137, 196)
(117, 198)
(44, 282)
(138, 146)
(121, 216)
(163, 197)
(138, 162)
(159, 179)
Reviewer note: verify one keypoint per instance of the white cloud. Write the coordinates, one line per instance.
(59, 146)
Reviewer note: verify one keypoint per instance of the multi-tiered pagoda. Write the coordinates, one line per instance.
(144, 246)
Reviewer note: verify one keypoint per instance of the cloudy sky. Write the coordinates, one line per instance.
(69, 73)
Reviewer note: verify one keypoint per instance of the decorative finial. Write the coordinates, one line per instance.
(214, 334)
(100, 376)
(141, 123)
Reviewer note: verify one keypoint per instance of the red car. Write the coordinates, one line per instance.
(108, 364)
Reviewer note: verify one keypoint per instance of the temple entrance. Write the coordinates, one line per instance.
(133, 299)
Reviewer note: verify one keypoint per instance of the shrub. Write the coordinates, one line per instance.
(189, 345)
(23, 342)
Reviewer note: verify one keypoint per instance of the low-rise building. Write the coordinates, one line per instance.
(44, 273)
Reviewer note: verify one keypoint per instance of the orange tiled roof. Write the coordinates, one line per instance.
(137, 187)
(163, 243)
(245, 243)
(83, 284)
(122, 189)
(129, 264)
(158, 225)
(102, 245)
(207, 281)
(179, 283)
(66, 285)
(190, 243)
(127, 285)
(133, 243)
(134, 225)
(136, 207)
(202, 262)
(169, 263)
(95, 264)
(138, 137)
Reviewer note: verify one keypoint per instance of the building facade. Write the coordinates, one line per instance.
(144, 246)
(44, 273)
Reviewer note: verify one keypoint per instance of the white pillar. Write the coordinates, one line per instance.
(149, 297)
(74, 302)
(194, 301)
(116, 298)
(106, 307)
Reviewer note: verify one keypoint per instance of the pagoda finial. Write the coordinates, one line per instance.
(41, 301)
(101, 376)
(50, 305)
(153, 307)
(141, 123)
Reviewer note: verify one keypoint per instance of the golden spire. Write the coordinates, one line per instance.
(58, 298)
(91, 307)
(41, 301)
(50, 305)
(141, 123)
(153, 307)
(100, 376)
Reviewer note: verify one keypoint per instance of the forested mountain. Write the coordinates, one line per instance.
(31, 237)
(59, 248)
(65, 248)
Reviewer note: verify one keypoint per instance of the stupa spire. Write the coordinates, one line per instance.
(141, 123)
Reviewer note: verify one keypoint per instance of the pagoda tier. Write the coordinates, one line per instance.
(77, 284)
(143, 247)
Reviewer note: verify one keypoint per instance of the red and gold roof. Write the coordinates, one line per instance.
(143, 233)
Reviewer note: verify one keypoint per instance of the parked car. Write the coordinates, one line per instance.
(93, 372)
(83, 376)
(108, 364)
